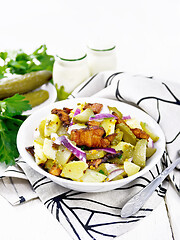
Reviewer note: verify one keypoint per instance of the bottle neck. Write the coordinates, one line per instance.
(102, 52)
(71, 62)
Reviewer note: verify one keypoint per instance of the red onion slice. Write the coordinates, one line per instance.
(77, 111)
(75, 150)
(150, 143)
(114, 174)
(101, 116)
(111, 167)
(126, 117)
(130, 159)
(109, 150)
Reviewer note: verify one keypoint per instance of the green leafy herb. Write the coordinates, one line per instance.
(120, 156)
(10, 108)
(61, 94)
(17, 62)
(101, 171)
(83, 147)
(14, 105)
(23, 63)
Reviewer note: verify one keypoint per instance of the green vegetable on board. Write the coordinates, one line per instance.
(139, 155)
(19, 62)
(149, 131)
(23, 83)
(35, 98)
(128, 135)
(10, 109)
(114, 109)
(61, 93)
(83, 116)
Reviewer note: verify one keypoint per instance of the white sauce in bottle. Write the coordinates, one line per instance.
(101, 58)
(70, 69)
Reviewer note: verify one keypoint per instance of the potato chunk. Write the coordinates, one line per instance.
(131, 168)
(149, 131)
(52, 124)
(122, 146)
(133, 123)
(40, 157)
(74, 170)
(39, 140)
(92, 176)
(41, 127)
(63, 155)
(109, 125)
(48, 150)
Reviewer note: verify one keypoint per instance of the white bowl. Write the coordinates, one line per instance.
(26, 135)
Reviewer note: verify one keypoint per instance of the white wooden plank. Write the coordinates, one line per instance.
(173, 206)
(156, 226)
(30, 220)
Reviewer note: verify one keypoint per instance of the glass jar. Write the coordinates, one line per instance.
(101, 58)
(69, 71)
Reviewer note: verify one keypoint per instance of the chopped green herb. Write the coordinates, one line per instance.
(23, 63)
(14, 105)
(61, 93)
(120, 156)
(83, 147)
(101, 171)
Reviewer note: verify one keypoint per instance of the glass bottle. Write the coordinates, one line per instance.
(70, 70)
(101, 58)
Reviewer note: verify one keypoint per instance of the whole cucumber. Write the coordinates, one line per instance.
(37, 97)
(23, 83)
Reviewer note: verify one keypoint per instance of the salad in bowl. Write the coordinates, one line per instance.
(91, 142)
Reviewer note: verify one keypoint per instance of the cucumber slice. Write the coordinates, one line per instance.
(139, 155)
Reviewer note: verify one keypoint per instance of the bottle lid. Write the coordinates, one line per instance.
(71, 53)
(101, 45)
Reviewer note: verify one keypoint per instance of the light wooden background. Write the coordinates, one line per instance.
(147, 35)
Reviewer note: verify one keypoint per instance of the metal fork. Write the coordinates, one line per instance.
(136, 202)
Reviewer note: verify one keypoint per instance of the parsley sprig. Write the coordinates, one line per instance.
(10, 121)
(17, 62)
(23, 63)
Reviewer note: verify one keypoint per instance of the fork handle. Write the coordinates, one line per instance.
(136, 202)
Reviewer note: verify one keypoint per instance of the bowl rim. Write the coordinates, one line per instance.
(28, 158)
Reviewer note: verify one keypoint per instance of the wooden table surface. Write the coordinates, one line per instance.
(147, 36)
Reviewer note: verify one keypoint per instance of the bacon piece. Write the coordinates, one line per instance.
(72, 157)
(136, 131)
(110, 156)
(140, 133)
(56, 171)
(96, 107)
(63, 116)
(94, 163)
(111, 137)
(119, 120)
(93, 123)
(67, 110)
(91, 137)
(30, 150)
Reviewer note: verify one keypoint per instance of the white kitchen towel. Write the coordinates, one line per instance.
(96, 216)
